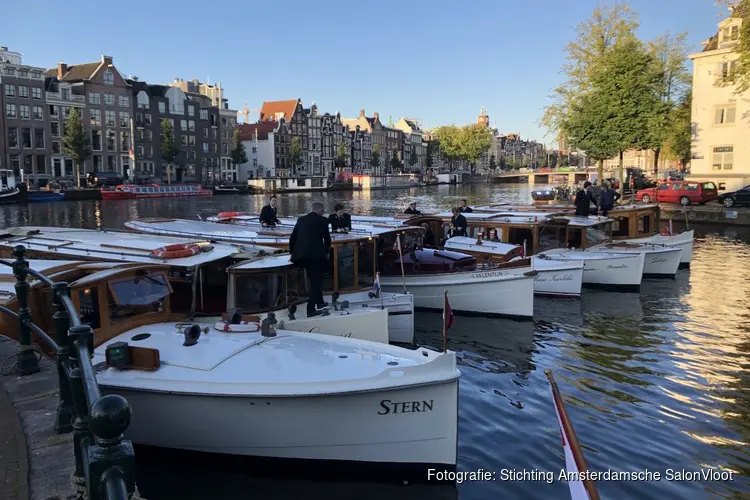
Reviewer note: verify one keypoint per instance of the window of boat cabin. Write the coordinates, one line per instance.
(88, 300)
(621, 227)
(260, 292)
(552, 236)
(597, 234)
(365, 262)
(517, 235)
(136, 295)
(645, 224)
(342, 269)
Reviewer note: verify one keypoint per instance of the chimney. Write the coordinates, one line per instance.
(376, 115)
(62, 68)
(107, 59)
(361, 113)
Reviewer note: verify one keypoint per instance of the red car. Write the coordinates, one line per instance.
(682, 192)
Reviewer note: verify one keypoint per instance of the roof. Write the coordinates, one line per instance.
(77, 72)
(412, 125)
(713, 43)
(270, 108)
(263, 128)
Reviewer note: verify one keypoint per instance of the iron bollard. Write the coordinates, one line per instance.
(61, 321)
(27, 361)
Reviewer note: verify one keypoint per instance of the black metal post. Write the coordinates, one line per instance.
(27, 361)
(81, 431)
(61, 321)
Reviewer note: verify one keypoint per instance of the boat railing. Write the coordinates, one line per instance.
(104, 460)
(97, 251)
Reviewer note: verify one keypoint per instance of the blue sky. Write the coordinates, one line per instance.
(440, 61)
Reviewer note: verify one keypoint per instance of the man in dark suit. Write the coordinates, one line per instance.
(412, 209)
(464, 208)
(341, 222)
(268, 214)
(309, 246)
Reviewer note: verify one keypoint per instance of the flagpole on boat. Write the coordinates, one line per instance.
(445, 330)
(401, 258)
(570, 440)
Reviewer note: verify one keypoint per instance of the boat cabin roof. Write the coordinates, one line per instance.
(273, 263)
(466, 243)
(112, 245)
(108, 274)
(581, 221)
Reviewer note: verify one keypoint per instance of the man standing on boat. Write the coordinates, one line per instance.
(464, 208)
(584, 199)
(412, 209)
(268, 214)
(458, 223)
(309, 245)
(340, 221)
(608, 198)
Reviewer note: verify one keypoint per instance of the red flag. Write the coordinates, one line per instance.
(447, 321)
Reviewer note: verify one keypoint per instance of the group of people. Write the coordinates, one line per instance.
(585, 198)
(457, 226)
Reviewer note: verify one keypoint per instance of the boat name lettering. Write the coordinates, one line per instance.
(656, 260)
(620, 266)
(554, 277)
(387, 406)
(487, 274)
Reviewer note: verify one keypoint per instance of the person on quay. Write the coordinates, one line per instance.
(268, 213)
(309, 245)
(340, 221)
(428, 240)
(464, 208)
(584, 199)
(608, 198)
(458, 223)
(412, 209)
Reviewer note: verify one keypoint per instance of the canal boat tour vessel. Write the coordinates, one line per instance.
(205, 389)
(9, 190)
(403, 264)
(199, 268)
(129, 191)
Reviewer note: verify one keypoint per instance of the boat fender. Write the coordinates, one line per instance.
(246, 327)
(531, 273)
(176, 251)
(229, 215)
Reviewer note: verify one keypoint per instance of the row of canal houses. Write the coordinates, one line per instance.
(329, 147)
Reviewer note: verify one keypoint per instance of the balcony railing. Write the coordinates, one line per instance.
(58, 96)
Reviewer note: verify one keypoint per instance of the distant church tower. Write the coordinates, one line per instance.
(483, 119)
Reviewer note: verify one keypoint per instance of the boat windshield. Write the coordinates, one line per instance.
(598, 234)
(139, 295)
(410, 240)
(255, 293)
(552, 236)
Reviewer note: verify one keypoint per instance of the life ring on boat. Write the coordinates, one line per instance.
(177, 251)
(245, 327)
(229, 215)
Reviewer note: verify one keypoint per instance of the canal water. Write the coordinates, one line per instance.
(654, 381)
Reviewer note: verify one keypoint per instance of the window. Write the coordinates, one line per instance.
(38, 113)
(23, 91)
(676, 186)
(162, 107)
(13, 137)
(39, 138)
(15, 162)
(205, 132)
(226, 148)
(183, 125)
(109, 118)
(56, 147)
(26, 137)
(191, 125)
(96, 117)
(97, 159)
(726, 69)
(10, 90)
(149, 135)
(725, 115)
(147, 119)
(139, 151)
(65, 93)
(54, 111)
(255, 149)
(150, 151)
(94, 98)
(36, 93)
(205, 147)
(124, 101)
(124, 140)
(109, 99)
(184, 140)
(24, 112)
(124, 119)
(66, 111)
(111, 141)
(730, 33)
(10, 110)
(255, 162)
(204, 114)
(191, 110)
(111, 163)
(723, 157)
(214, 148)
(109, 77)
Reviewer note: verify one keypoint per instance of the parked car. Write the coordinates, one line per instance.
(682, 192)
(732, 198)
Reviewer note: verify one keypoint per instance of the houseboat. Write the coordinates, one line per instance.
(129, 191)
(9, 189)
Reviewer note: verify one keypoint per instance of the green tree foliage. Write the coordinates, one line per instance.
(493, 165)
(169, 149)
(395, 162)
(596, 36)
(678, 141)
(428, 158)
(375, 158)
(413, 159)
(340, 160)
(296, 154)
(238, 154)
(76, 142)
(474, 141)
(449, 138)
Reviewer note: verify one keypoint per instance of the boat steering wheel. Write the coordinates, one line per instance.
(287, 295)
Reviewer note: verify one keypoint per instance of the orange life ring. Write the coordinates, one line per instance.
(229, 215)
(177, 251)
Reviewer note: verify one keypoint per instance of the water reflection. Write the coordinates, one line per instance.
(652, 380)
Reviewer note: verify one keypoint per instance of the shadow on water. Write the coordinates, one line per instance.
(655, 380)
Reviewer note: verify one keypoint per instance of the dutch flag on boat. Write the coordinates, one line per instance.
(580, 487)
(376, 285)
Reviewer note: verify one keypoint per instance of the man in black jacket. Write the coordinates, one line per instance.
(464, 208)
(309, 245)
(584, 199)
(412, 209)
(458, 223)
(268, 214)
(340, 221)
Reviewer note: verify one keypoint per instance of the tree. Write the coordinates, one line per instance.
(493, 166)
(474, 140)
(669, 54)
(413, 158)
(428, 158)
(296, 154)
(595, 38)
(76, 142)
(449, 138)
(395, 162)
(678, 141)
(238, 154)
(169, 149)
(340, 161)
(740, 77)
(375, 158)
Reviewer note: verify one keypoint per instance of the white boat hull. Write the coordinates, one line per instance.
(400, 307)
(488, 292)
(360, 427)
(560, 279)
(683, 240)
(659, 262)
(604, 269)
